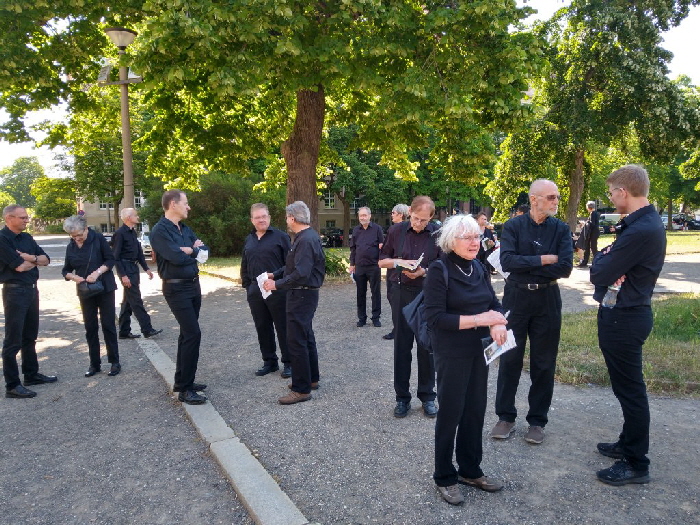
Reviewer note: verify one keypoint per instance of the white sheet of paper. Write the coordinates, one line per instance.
(493, 351)
(202, 256)
(495, 259)
(261, 280)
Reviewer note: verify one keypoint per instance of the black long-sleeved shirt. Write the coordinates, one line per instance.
(638, 253)
(364, 245)
(87, 258)
(10, 242)
(126, 247)
(306, 263)
(266, 254)
(166, 240)
(523, 242)
(414, 244)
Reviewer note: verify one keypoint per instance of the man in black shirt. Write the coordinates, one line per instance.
(128, 255)
(367, 239)
(302, 276)
(592, 228)
(177, 248)
(20, 256)
(633, 263)
(404, 245)
(265, 251)
(536, 249)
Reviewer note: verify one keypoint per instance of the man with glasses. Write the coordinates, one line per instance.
(20, 256)
(404, 245)
(632, 263)
(536, 249)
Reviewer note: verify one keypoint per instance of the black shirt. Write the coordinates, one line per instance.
(166, 240)
(10, 242)
(364, 245)
(523, 242)
(126, 247)
(306, 262)
(638, 253)
(594, 222)
(414, 244)
(266, 254)
(84, 260)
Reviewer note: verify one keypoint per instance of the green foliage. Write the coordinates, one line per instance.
(6, 199)
(17, 180)
(55, 198)
(336, 263)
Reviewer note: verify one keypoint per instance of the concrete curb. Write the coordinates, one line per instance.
(260, 494)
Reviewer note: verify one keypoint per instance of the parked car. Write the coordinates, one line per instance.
(146, 245)
(693, 224)
(674, 224)
(331, 237)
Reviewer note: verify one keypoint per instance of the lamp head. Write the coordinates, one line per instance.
(120, 36)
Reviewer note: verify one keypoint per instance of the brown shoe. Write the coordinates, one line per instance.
(535, 435)
(293, 397)
(483, 483)
(314, 386)
(451, 494)
(503, 430)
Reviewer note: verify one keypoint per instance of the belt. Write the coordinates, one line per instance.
(305, 288)
(15, 285)
(134, 261)
(174, 281)
(533, 286)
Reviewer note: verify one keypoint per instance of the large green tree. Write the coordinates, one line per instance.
(55, 198)
(17, 179)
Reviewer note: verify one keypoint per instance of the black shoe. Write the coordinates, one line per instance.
(622, 473)
(92, 371)
(115, 369)
(191, 398)
(151, 333)
(376, 323)
(20, 392)
(402, 408)
(612, 450)
(197, 387)
(39, 379)
(388, 336)
(430, 409)
(286, 371)
(360, 324)
(129, 336)
(581, 265)
(267, 369)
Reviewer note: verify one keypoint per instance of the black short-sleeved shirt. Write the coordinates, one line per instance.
(306, 262)
(414, 244)
(126, 247)
(266, 254)
(84, 260)
(523, 242)
(364, 245)
(638, 253)
(166, 240)
(10, 243)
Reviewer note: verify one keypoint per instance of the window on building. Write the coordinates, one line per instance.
(330, 224)
(329, 200)
(139, 200)
(104, 204)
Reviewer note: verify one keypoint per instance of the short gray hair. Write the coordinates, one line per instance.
(75, 223)
(300, 211)
(590, 205)
(402, 209)
(364, 208)
(126, 212)
(456, 225)
(8, 210)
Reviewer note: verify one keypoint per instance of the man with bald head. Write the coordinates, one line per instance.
(536, 249)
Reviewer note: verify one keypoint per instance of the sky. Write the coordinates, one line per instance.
(681, 41)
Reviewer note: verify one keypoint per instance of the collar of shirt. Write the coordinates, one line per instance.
(637, 214)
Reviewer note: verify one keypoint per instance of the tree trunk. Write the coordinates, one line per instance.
(300, 150)
(575, 189)
(116, 215)
(346, 222)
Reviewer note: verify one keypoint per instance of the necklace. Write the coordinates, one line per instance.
(471, 269)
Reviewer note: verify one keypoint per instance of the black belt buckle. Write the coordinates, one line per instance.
(533, 286)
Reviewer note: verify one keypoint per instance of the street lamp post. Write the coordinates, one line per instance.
(122, 38)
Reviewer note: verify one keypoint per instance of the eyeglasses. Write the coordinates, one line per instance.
(470, 238)
(419, 221)
(609, 193)
(21, 217)
(551, 198)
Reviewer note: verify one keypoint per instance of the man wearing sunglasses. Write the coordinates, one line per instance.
(536, 249)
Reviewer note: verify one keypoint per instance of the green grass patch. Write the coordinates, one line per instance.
(683, 242)
(671, 353)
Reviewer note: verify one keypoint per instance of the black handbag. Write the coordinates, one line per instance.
(86, 289)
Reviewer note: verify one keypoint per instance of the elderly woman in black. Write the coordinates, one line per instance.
(89, 258)
(460, 312)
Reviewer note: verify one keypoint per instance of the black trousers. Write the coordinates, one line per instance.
(403, 347)
(185, 301)
(133, 303)
(621, 335)
(373, 275)
(534, 314)
(591, 246)
(269, 315)
(104, 305)
(21, 306)
(303, 354)
(391, 287)
(462, 384)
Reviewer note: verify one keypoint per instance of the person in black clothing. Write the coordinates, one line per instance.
(265, 251)
(460, 312)
(302, 277)
(89, 258)
(128, 255)
(633, 262)
(20, 256)
(592, 229)
(177, 249)
(536, 249)
(367, 239)
(404, 245)
(399, 214)
(488, 240)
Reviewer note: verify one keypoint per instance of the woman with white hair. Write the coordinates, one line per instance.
(89, 259)
(460, 312)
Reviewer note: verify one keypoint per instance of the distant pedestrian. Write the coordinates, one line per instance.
(523, 209)
(399, 214)
(590, 234)
(367, 240)
(20, 256)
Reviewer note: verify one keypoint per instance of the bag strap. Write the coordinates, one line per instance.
(87, 266)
